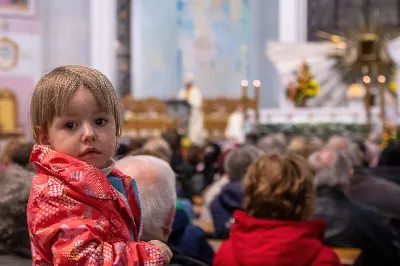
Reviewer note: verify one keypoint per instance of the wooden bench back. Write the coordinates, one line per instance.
(217, 111)
(145, 117)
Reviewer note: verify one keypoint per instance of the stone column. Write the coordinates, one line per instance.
(103, 23)
(124, 71)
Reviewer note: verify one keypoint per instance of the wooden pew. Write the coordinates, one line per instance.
(348, 256)
(216, 113)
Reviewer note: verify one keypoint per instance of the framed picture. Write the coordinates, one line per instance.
(17, 7)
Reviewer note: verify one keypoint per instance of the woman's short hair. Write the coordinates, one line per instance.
(279, 187)
(239, 159)
(55, 89)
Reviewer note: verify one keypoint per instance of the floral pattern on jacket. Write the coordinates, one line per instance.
(75, 216)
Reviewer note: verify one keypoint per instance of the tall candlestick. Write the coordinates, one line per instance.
(381, 85)
(367, 101)
(245, 85)
(257, 85)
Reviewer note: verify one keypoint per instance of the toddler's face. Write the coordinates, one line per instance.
(83, 132)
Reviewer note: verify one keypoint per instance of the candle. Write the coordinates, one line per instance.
(244, 84)
(381, 85)
(257, 85)
(367, 101)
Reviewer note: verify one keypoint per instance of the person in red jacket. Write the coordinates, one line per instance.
(274, 227)
(82, 210)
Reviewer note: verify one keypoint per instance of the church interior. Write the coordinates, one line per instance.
(198, 80)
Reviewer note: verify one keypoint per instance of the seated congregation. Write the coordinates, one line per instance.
(276, 200)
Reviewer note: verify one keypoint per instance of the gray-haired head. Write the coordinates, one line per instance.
(273, 144)
(332, 168)
(15, 183)
(354, 155)
(239, 159)
(157, 191)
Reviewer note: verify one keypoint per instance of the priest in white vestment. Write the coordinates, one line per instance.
(235, 128)
(193, 96)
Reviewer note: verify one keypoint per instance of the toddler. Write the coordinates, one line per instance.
(82, 210)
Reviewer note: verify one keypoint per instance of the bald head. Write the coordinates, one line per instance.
(326, 159)
(322, 159)
(156, 183)
(338, 144)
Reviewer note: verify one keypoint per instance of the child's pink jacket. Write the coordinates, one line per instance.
(75, 216)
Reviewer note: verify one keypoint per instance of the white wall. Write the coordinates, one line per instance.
(293, 20)
(65, 32)
(103, 21)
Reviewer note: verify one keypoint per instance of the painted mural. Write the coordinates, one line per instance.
(214, 38)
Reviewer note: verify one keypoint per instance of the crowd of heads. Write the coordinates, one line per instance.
(278, 175)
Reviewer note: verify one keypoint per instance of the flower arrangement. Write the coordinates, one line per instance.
(389, 135)
(393, 88)
(305, 88)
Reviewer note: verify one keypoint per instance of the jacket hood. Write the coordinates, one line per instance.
(231, 196)
(274, 242)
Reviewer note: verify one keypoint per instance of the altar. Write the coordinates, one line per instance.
(310, 115)
(321, 84)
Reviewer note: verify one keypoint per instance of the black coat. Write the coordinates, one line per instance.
(391, 173)
(349, 224)
(13, 260)
(375, 191)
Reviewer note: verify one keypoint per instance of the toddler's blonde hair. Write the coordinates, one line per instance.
(56, 88)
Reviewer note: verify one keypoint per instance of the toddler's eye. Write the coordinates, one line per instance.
(100, 121)
(70, 125)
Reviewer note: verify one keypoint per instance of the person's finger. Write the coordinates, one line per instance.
(167, 256)
(170, 254)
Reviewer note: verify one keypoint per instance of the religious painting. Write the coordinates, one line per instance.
(9, 54)
(214, 41)
(17, 7)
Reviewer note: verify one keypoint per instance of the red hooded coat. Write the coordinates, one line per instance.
(256, 242)
(75, 216)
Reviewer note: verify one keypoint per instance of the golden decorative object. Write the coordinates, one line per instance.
(362, 55)
(8, 114)
(356, 91)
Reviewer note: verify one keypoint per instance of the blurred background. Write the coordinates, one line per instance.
(209, 86)
(287, 62)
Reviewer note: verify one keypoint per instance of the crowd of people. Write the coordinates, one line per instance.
(276, 200)
(272, 200)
